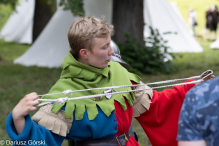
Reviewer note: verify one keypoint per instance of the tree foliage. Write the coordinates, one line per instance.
(147, 56)
(76, 6)
(12, 3)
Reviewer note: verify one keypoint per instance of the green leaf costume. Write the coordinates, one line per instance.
(77, 76)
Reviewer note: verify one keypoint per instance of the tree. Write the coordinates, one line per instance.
(42, 13)
(127, 17)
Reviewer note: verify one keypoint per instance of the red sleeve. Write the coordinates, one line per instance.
(160, 122)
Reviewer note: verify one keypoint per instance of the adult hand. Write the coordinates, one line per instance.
(212, 76)
(208, 78)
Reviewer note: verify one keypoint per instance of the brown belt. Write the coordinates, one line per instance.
(118, 141)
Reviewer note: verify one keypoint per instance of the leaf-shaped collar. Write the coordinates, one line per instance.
(75, 68)
(77, 76)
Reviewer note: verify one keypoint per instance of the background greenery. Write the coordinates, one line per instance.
(5, 12)
(17, 80)
(154, 49)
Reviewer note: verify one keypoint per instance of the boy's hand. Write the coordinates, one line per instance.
(25, 106)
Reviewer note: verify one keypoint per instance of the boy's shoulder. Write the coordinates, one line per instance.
(113, 64)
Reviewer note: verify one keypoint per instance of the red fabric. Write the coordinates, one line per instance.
(132, 142)
(124, 118)
(160, 122)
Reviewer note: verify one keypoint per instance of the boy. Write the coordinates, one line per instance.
(102, 120)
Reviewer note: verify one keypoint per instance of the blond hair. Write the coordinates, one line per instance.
(84, 30)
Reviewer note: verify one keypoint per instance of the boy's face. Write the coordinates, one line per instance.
(99, 56)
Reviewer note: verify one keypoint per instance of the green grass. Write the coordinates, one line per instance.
(10, 50)
(5, 12)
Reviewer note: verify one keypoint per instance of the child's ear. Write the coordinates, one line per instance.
(83, 53)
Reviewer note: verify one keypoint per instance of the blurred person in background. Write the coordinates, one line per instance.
(213, 17)
(208, 17)
(192, 19)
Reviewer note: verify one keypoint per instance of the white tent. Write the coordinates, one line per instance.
(51, 46)
(19, 26)
(215, 44)
(161, 15)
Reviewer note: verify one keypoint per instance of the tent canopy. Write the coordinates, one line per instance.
(19, 27)
(159, 14)
(215, 44)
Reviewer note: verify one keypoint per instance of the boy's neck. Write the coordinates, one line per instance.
(82, 60)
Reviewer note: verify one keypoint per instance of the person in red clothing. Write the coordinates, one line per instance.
(101, 120)
(160, 122)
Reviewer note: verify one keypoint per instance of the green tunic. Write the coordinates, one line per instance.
(77, 76)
